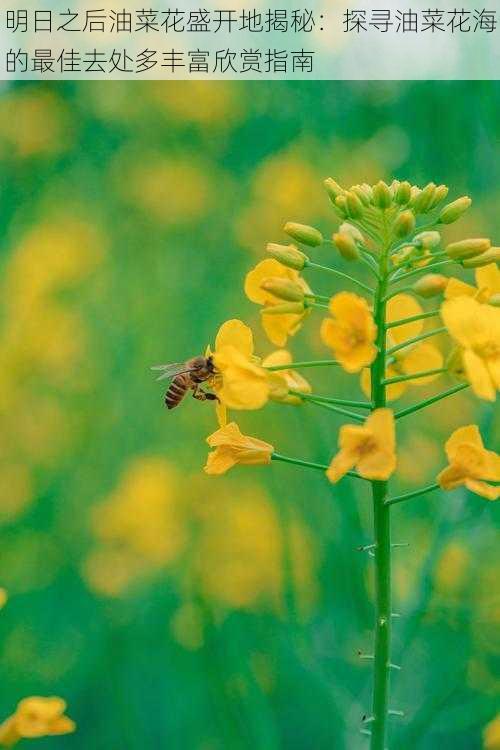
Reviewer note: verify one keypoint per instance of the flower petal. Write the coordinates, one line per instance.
(235, 333)
(403, 306)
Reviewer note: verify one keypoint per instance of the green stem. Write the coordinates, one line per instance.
(412, 318)
(382, 538)
(308, 464)
(298, 462)
(411, 495)
(329, 400)
(416, 339)
(310, 303)
(312, 363)
(429, 401)
(341, 274)
(332, 407)
(422, 269)
(415, 376)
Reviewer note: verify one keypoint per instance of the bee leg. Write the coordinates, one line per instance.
(201, 395)
(198, 394)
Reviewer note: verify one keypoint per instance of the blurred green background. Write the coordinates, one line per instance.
(171, 609)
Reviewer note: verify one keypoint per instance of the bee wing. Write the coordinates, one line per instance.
(171, 370)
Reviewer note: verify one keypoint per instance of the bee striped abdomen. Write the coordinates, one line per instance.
(177, 390)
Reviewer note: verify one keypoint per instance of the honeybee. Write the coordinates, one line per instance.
(186, 376)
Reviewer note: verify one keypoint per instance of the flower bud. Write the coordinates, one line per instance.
(393, 187)
(368, 190)
(403, 255)
(403, 193)
(453, 211)
(414, 193)
(288, 255)
(283, 289)
(494, 300)
(467, 248)
(341, 205)
(354, 206)
(490, 256)
(362, 194)
(346, 245)
(347, 228)
(440, 194)
(430, 285)
(427, 240)
(287, 308)
(382, 197)
(303, 233)
(422, 203)
(404, 224)
(333, 189)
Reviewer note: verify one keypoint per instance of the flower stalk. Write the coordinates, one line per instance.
(382, 534)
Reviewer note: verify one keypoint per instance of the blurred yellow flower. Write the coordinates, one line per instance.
(476, 329)
(283, 381)
(491, 734)
(232, 447)
(36, 717)
(243, 382)
(451, 567)
(3, 598)
(352, 331)
(487, 285)
(241, 551)
(21, 115)
(277, 327)
(141, 526)
(470, 464)
(399, 307)
(371, 448)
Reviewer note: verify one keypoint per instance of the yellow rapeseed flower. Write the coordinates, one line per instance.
(232, 447)
(491, 734)
(371, 448)
(36, 717)
(476, 329)
(418, 358)
(242, 382)
(283, 381)
(470, 464)
(487, 285)
(277, 327)
(351, 332)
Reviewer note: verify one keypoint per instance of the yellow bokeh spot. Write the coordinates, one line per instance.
(206, 103)
(491, 734)
(451, 568)
(186, 626)
(171, 190)
(34, 122)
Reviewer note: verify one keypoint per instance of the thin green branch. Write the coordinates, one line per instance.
(421, 269)
(336, 401)
(415, 376)
(336, 409)
(429, 401)
(413, 318)
(411, 495)
(309, 464)
(319, 305)
(341, 274)
(296, 365)
(298, 462)
(416, 339)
